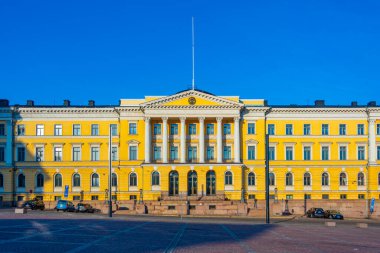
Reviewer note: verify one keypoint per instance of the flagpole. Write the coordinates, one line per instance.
(193, 51)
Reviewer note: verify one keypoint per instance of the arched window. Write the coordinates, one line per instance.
(40, 180)
(251, 179)
(76, 180)
(289, 179)
(21, 181)
(173, 183)
(228, 178)
(1, 180)
(307, 179)
(378, 179)
(58, 180)
(360, 178)
(325, 179)
(192, 183)
(95, 180)
(114, 180)
(132, 179)
(272, 179)
(342, 179)
(210, 183)
(155, 178)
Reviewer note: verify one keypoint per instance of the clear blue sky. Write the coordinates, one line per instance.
(288, 52)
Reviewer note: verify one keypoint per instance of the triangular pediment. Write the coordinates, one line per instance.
(193, 99)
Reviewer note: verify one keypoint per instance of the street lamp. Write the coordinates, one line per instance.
(110, 173)
(267, 216)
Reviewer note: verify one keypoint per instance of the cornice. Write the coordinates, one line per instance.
(64, 110)
(319, 110)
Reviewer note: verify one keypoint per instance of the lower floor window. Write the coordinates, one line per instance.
(76, 197)
(361, 196)
(56, 198)
(343, 196)
(325, 196)
(94, 197)
(132, 197)
(307, 196)
(289, 196)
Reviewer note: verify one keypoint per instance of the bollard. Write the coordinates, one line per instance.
(20, 210)
(361, 225)
(330, 224)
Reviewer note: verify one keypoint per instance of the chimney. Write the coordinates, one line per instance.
(4, 102)
(354, 103)
(319, 103)
(66, 103)
(91, 103)
(30, 103)
(372, 103)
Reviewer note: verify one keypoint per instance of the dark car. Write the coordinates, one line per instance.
(34, 204)
(84, 208)
(315, 212)
(333, 214)
(65, 205)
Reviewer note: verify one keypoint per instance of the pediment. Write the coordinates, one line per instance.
(192, 99)
(251, 141)
(133, 142)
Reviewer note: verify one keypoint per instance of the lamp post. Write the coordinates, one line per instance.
(110, 174)
(267, 218)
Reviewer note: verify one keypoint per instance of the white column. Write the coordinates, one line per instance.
(183, 139)
(237, 139)
(9, 147)
(371, 141)
(165, 139)
(219, 140)
(201, 139)
(148, 143)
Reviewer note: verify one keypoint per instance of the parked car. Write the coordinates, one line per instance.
(66, 206)
(84, 208)
(34, 204)
(315, 212)
(333, 214)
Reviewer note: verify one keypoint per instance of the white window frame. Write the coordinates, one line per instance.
(94, 146)
(129, 151)
(40, 130)
(56, 128)
(80, 152)
(293, 151)
(310, 145)
(357, 151)
(57, 146)
(255, 149)
(347, 153)
(43, 152)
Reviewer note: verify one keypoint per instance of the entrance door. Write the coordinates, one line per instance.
(173, 183)
(210, 183)
(192, 183)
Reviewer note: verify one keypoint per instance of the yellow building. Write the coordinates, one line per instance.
(190, 145)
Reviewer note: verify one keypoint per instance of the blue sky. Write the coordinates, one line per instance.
(288, 52)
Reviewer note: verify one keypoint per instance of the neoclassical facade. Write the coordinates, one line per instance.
(190, 145)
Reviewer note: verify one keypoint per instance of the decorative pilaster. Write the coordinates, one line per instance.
(219, 140)
(9, 147)
(183, 139)
(148, 140)
(371, 141)
(164, 139)
(237, 139)
(201, 139)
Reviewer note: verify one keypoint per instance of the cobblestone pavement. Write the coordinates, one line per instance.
(71, 232)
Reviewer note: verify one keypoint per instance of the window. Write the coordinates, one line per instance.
(251, 196)
(251, 128)
(325, 179)
(76, 154)
(360, 129)
(21, 181)
(21, 154)
(307, 196)
(40, 130)
(307, 153)
(192, 153)
(378, 152)
(113, 129)
(94, 153)
(155, 178)
(58, 180)
(342, 129)
(1, 180)
(325, 196)
(289, 179)
(20, 130)
(94, 197)
(227, 129)
(307, 179)
(325, 129)
(132, 197)
(56, 198)
(343, 179)
(272, 152)
(133, 179)
(227, 152)
(251, 152)
(289, 196)
(40, 180)
(133, 153)
(157, 153)
(76, 129)
(272, 179)
(174, 129)
(289, 129)
(39, 154)
(114, 180)
(94, 129)
(360, 179)
(114, 153)
(57, 130)
(342, 153)
(192, 129)
(271, 130)
(132, 128)
(210, 153)
(361, 152)
(94, 180)
(251, 179)
(306, 129)
(2, 154)
(157, 129)
(378, 129)
(361, 196)
(174, 153)
(228, 178)
(2, 129)
(378, 179)
(325, 153)
(76, 197)
(289, 153)
(76, 180)
(173, 183)
(343, 196)
(210, 129)
(192, 183)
